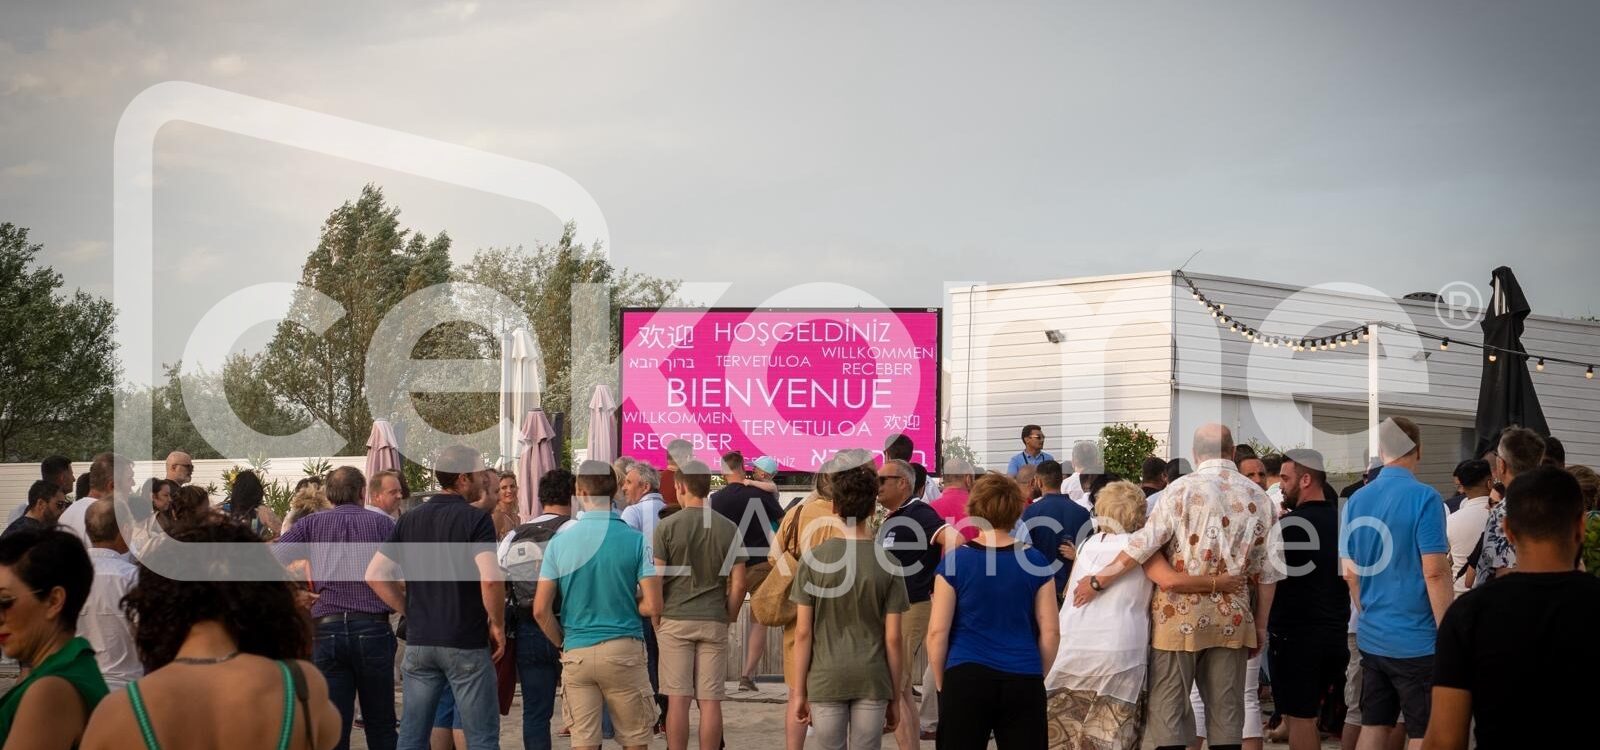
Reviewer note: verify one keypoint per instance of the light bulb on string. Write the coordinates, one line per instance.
(1444, 346)
(1493, 357)
(1540, 366)
(1590, 373)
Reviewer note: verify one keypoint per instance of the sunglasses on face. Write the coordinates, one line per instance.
(884, 479)
(8, 602)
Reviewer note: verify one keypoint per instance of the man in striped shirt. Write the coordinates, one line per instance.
(355, 645)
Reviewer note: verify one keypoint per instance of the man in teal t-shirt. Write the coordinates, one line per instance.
(606, 582)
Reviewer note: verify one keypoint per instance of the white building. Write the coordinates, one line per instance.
(1138, 348)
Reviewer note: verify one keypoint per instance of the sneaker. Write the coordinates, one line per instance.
(745, 683)
(929, 735)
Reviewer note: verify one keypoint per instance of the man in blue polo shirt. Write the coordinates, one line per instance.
(1396, 559)
(1054, 520)
(1032, 450)
(605, 580)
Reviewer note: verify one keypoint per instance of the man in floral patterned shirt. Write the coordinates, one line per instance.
(1209, 523)
(1519, 451)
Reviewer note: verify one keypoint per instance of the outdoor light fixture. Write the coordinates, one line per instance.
(1055, 336)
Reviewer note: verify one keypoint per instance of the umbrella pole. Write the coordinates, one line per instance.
(1372, 393)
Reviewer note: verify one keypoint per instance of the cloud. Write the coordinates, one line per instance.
(84, 251)
(26, 169)
(457, 10)
(153, 63)
(227, 65)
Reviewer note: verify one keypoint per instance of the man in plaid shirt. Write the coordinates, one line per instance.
(354, 645)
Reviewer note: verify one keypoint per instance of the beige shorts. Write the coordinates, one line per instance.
(694, 658)
(913, 631)
(613, 674)
(1352, 685)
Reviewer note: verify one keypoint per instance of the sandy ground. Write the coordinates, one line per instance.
(751, 721)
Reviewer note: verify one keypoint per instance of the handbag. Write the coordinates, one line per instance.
(770, 604)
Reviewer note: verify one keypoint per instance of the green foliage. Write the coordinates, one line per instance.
(239, 388)
(1591, 544)
(367, 263)
(1124, 447)
(419, 478)
(58, 367)
(540, 283)
(278, 494)
(1264, 448)
(316, 467)
(955, 448)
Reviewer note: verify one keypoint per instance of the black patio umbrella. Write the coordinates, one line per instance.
(1506, 396)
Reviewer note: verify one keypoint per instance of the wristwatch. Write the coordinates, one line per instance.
(1094, 583)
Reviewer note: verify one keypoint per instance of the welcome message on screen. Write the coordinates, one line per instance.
(798, 386)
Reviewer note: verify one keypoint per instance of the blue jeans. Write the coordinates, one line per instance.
(469, 673)
(652, 652)
(539, 671)
(356, 657)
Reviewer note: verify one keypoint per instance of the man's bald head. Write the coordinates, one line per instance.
(100, 523)
(180, 467)
(1212, 441)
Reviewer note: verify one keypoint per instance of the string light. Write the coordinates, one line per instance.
(1356, 336)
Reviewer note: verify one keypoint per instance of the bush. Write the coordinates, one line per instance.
(956, 448)
(1124, 447)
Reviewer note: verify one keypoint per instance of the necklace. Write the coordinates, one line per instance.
(203, 660)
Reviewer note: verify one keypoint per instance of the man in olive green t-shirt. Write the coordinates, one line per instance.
(702, 578)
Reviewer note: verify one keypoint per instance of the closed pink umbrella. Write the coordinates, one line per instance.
(602, 425)
(383, 450)
(537, 455)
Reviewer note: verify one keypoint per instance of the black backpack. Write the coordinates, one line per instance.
(522, 559)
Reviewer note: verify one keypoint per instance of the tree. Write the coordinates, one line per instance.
(1124, 447)
(541, 283)
(58, 366)
(367, 263)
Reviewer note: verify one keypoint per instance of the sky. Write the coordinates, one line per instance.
(900, 148)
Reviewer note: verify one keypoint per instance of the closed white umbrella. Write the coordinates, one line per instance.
(521, 382)
(602, 425)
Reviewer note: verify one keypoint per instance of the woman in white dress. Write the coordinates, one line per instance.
(1096, 687)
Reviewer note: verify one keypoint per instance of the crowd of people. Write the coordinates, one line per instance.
(1055, 604)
